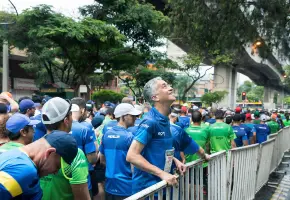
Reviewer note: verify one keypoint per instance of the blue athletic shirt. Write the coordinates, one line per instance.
(39, 129)
(85, 141)
(184, 120)
(262, 132)
(110, 125)
(248, 131)
(211, 121)
(154, 133)
(241, 135)
(182, 142)
(134, 128)
(115, 145)
(18, 176)
(91, 132)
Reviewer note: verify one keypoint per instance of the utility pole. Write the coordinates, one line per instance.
(5, 72)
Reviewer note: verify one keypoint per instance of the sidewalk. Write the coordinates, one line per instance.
(273, 191)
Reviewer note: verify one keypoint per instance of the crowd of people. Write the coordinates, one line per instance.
(72, 149)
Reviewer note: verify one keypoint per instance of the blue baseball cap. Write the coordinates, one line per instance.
(26, 104)
(18, 121)
(64, 143)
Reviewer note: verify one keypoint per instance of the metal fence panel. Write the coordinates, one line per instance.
(275, 156)
(264, 166)
(217, 176)
(242, 172)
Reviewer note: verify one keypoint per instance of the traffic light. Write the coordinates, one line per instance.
(243, 96)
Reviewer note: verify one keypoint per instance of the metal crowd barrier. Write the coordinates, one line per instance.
(242, 172)
(190, 186)
(236, 176)
(264, 166)
(217, 182)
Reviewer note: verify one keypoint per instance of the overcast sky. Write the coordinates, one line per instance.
(67, 7)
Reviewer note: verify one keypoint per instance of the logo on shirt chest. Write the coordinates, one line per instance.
(114, 136)
(161, 134)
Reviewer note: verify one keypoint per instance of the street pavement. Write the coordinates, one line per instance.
(278, 187)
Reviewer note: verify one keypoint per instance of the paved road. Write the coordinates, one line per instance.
(273, 191)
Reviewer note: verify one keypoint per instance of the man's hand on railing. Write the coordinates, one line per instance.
(180, 166)
(169, 178)
(206, 157)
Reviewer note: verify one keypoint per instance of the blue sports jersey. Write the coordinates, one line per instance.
(85, 141)
(91, 132)
(241, 135)
(248, 131)
(39, 129)
(154, 133)
(262, 132)
(18, 176)
(134, 128)
(182, 142)
(184, 120)
(115, 145)
(211, 121)
(110, 125)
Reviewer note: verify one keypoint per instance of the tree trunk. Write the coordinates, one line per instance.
(185, 91)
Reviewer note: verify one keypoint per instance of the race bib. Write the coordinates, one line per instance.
(169, 154)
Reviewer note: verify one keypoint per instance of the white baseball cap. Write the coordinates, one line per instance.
(138, 107)
(75, 108)
(263, 117)
(125, 109)
(55, 110)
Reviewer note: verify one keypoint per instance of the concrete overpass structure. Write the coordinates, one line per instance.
(264, 72)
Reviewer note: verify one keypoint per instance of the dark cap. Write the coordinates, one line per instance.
(26, 104)
(97, 121)
(64, 143)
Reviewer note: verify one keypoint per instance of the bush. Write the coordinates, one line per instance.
(107, 95)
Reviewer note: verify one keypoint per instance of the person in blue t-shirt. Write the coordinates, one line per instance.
(262, 130)
(183, 118)
(182, 143)
(247, 129)
(21, 168)
(113, 151)
(84, 137)
(241, 135)
(152, 151)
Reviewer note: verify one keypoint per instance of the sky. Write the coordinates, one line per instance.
(67, 7)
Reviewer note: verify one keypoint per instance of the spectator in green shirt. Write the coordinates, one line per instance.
(58, 186)
(273, 125)
(257, 117)
(221, 134)
(200, 134)
(287, 121)
(20, 131)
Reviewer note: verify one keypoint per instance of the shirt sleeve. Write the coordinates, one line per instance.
(89, 141)
(144, 132)
(232, 135)
(79, 169)
(245, 137)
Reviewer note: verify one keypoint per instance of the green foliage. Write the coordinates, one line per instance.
(107, 95)
(227, 25)
(214, 97)
(181, 83)
(254, 93)
(286, 100)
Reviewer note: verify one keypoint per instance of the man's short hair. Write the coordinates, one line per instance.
(79, 101)
(219, 114)
(237, 118)
(196, 116)
(127, 100)
(16, 136)
(150, 89)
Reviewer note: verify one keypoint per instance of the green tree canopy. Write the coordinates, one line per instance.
(213, 97)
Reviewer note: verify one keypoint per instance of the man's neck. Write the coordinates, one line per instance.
(122, 124)
(219, 120)
(236, 124)
(196, 123)
(19, 141)
(163, 109)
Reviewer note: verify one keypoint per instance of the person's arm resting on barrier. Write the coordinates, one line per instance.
(90, 148)
(134, 156)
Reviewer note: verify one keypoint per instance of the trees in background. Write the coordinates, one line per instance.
(254, 93)
(213, 97)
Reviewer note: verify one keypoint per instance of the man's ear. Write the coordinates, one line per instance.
(49, 151)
